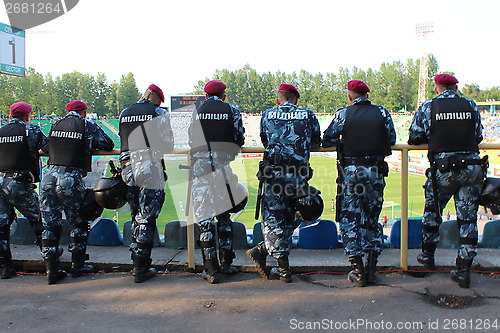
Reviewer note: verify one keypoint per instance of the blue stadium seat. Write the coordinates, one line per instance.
(127, 235)
(414, 233)
(105, 233)
(239, 236)
(171, 234)
(21, 232)
(176, 234)
(257, 235)
(448, 235)
(320, 235)
(491, 235)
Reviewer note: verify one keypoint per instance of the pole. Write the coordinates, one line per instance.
(190, 226)
(404, 209)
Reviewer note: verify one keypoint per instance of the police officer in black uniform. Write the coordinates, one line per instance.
(146, 135)
(20, 142)
(71, 142)
(364, 134)
(451, 125)
(216, 135)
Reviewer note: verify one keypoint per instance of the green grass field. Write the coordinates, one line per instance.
(325, 174)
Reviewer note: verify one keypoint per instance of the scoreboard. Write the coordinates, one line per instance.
(185, 103)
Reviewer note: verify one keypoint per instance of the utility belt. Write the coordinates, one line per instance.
(457, 163)
(144, 155)
(381, 165)
(280, 160)
(20, 176)
(291, 166)
(67, 169)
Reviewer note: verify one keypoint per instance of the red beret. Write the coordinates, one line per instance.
(157, 90)
(214, 87)
(445, 80)
(76, 105)
(289, 88)
(358, 86)
(20, 108)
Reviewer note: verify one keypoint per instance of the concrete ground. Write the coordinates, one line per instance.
(320, 297)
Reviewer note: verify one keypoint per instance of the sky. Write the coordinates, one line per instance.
(174, 44)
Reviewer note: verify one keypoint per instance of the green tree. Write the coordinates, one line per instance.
(128, 93)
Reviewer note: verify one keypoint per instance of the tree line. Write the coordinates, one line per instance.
(394, 85)
(49, 95)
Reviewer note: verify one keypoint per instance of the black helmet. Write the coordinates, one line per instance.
(240, 194)
(90, 209)
(111, 193)
(311, 206)
(490, 196)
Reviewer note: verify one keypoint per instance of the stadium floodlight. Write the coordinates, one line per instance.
(423, 29)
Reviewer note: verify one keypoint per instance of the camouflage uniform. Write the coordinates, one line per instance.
(143, 171)
(288, 133)
(464, 184)
(363, 189)
(210, 174)
(62, 190)
(18, 191)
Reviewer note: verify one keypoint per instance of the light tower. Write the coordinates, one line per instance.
(423, 29)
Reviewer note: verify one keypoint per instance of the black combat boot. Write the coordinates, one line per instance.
(142, 268)
(282, 272)
(426, 258)
(54, 274)
(226, 262)
(78, 267)
(357, 275)
(8, 270)
(258, 255)
(211, 272)
(371, 267)
(461, 274)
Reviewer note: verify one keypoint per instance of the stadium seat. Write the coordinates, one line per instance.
(21, 232)
(257, 235)
(448, 235)
(239, 236)
(414, 233)
(491, 235)
(105, 233)
(176, 234)
(319, 235)
(127, 235)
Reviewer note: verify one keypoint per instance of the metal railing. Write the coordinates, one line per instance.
(404, 148)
